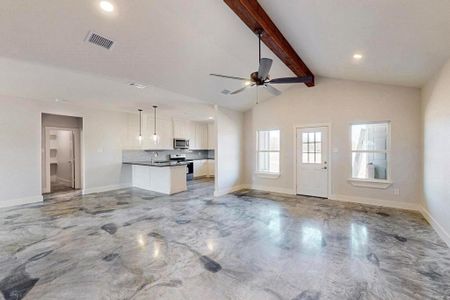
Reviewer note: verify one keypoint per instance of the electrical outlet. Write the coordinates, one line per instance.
(397, 192)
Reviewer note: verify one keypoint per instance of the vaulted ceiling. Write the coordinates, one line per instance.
(173, 45)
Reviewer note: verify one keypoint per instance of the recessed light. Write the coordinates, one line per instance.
(210, 118)
(106, 6)
(357, 56)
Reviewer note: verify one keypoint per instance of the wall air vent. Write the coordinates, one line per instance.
(226, 92)
(99, 40)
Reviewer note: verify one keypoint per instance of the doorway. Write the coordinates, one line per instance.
(61, 163)
(312, 161)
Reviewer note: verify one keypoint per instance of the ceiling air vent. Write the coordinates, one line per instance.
(226, 92)
(99, 40)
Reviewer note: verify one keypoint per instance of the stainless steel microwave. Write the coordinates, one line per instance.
(180, 144)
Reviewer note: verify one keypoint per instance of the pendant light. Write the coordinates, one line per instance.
(140, 126)
(155, 135)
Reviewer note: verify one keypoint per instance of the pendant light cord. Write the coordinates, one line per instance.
(154, 128)
(140, 122)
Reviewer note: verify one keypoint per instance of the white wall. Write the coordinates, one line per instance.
(341, 103)
(229, 150)
(20, 151)
(436, 151)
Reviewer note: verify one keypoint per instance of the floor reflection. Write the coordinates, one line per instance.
(358, 239)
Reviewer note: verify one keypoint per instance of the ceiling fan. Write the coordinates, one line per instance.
(262, 78)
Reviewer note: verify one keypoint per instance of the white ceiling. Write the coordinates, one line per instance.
(173, 45)
(403, 41)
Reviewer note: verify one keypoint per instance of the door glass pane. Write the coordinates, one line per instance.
(304, 137)
(311, 157)
(310, 136)
(318, 158)
(318, 147)
(318, 136)
(311, 147)
(369, 165)
(305, 158)
(305, 148)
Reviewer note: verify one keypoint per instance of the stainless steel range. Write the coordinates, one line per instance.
(189, 166)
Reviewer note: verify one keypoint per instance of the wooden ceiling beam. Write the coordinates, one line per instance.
(254, 16)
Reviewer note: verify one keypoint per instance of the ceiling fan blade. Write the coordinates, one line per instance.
(230, 77)
(302, 79)
(264, 68)
(272, 90)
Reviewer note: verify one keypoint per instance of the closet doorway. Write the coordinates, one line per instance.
(61, 154)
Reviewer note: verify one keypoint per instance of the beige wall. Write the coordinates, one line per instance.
(229, 153)
(340, 103)
(436, 150)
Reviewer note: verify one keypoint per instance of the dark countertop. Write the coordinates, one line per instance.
(156, 164)
(208, 158)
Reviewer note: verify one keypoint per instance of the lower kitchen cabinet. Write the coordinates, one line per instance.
(211, 167)
(200, 168)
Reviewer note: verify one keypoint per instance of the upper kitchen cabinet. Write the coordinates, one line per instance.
(201, 136)
(181, 129)
(195, 132)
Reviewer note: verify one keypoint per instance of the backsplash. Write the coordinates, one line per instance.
(155, 155)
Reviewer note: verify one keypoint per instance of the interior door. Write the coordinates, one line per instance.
(312, 161)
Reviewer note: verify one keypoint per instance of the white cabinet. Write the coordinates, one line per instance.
(201, 136)
(181, 129)
(200, 168)
(211, 167)
(204, 167)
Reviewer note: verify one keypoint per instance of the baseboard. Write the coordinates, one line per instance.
(229, 190)
(270, 189)
(445, 236)
(21, 201)
(106, 188)
(376, 202)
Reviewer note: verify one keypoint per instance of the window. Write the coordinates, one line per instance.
(370, 151)
(312, 147)
(268, 152)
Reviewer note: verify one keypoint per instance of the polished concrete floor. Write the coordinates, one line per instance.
(132, 244)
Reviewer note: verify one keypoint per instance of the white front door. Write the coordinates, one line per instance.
(312, 161)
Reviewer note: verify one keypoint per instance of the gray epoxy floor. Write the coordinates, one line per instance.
(132, 244)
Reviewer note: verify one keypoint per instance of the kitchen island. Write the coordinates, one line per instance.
(166, 177)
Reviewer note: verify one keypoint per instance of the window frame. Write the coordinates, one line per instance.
(372, 183)
(264, 173)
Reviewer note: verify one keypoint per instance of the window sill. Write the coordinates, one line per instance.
(370, 183)
(267, 175)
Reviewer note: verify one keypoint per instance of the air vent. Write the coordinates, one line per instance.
(99, 40)
(226, 92)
